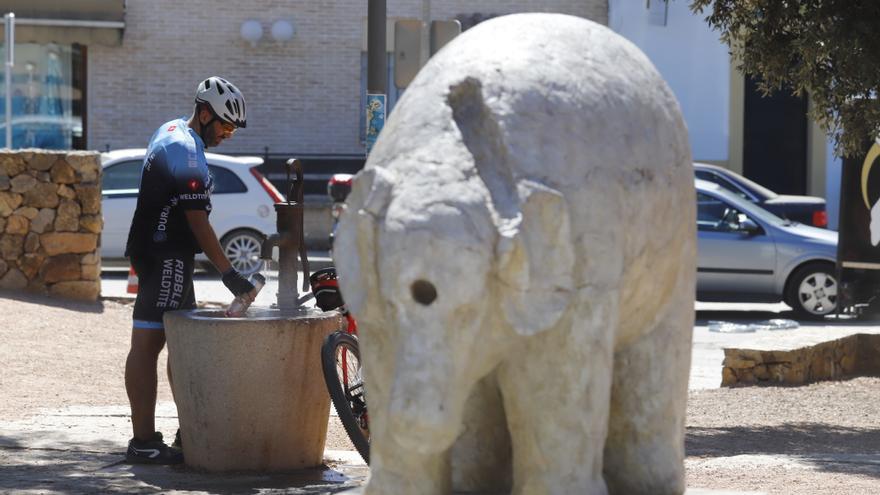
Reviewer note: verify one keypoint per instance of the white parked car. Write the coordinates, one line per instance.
(242, 213)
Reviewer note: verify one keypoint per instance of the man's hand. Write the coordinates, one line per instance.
(238, 285)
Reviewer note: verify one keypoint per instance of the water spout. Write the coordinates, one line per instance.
(290, 242)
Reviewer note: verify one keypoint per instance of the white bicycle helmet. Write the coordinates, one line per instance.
(225, 100)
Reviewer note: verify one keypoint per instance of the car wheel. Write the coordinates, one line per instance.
(812, 291)
(242, 247)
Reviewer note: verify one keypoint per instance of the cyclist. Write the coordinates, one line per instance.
(170, 225)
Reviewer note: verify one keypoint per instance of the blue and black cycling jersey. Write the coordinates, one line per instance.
(174, 178)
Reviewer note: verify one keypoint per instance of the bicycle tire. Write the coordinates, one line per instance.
(351, 407)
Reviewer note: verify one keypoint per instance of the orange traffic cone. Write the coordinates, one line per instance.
(132, 281)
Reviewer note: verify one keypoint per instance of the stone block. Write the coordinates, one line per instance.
(80, 160)
(31, 242)
(90, 259)
(61, 268)
(4, 182)
(12, 163)
(848, 364)
(55, 243)
(86, 163)
(9, 202)
(2, 224)
(13, 279)
(81, 290)
(11, 246)
(761, 372)
(43, 195)
(91, 272)
(17, 224)
(4, 267)
(27, 212)
(728, 377)
(62, 172)
(43, 221)
(89, 197)
(738, 363)
(91, 223)
(42, 161)
(67, 218)
(36, 286)
(43, 176)
(22, 183)
(31, 263)
(66, 192)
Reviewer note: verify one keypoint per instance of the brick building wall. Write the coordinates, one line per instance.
(303, 96)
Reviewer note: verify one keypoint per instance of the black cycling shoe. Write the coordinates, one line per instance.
(153, 451)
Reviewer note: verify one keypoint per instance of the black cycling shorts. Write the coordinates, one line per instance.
(165, 283)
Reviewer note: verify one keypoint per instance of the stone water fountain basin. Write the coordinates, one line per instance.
(250, 392)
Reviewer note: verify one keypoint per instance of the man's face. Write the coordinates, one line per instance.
(217, 131)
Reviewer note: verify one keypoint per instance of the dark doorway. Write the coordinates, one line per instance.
(775, 139)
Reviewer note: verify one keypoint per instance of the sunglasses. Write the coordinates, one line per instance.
(228, 128)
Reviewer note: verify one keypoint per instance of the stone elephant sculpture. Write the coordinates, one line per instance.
(519, 252)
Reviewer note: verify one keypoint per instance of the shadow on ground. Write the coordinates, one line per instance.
(826, 447)
(45, 300)
(29, 464)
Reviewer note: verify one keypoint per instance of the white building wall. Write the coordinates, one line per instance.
(692, 60)
(303, 97)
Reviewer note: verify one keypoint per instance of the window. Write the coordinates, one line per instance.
(48, 96)
(721, 181)
(225, 181)
(125, 175)
(711, 213)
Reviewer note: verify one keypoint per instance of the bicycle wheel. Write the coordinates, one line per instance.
(341, 362)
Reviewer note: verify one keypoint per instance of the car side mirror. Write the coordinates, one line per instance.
(748, 226)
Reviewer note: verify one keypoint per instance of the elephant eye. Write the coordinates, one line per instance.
(423, 292)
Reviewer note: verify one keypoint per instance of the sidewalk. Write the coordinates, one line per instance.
(77, 450)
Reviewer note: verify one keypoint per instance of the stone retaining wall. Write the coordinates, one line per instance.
(50, 222)
(854, 355)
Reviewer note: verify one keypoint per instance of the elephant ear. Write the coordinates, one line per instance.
(356, 242)
(535, 261)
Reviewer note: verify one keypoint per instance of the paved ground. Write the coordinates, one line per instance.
(780, 440)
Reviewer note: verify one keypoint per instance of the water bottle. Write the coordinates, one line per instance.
(238, 305)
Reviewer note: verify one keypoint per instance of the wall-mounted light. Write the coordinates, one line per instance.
(282, 31)
(251, 31)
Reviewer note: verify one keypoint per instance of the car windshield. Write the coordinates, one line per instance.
(744, 206)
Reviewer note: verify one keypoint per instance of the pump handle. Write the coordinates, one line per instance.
(295, 190)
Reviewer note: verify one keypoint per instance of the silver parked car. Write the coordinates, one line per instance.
(809, 210)
(746, 253)
(243, 205)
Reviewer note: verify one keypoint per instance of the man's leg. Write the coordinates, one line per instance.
(141, 379)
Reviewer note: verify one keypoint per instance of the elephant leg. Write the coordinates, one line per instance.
(484, 445)
(644, 453)
(555, 387)
(395, 472)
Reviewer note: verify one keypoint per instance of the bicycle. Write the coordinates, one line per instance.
(341, 364)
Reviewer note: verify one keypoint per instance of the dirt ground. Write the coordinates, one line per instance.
(817, 439)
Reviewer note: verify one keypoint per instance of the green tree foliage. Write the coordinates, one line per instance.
(829, 49)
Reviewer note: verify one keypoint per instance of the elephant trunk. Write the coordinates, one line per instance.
(426, 401)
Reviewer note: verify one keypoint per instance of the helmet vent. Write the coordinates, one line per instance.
(207, 84)
(220, 89)
(229, 106)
